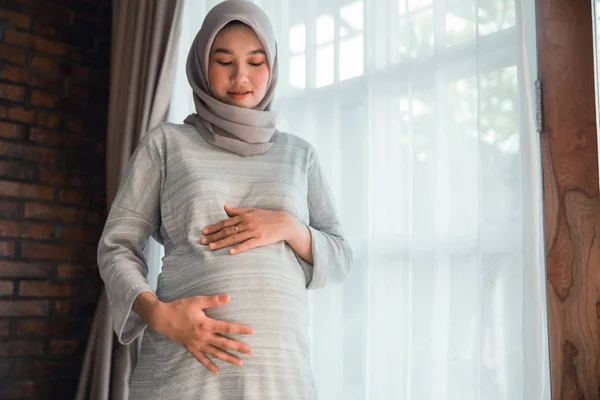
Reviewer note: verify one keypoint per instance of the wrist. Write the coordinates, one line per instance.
(149, 308)
(292, 227)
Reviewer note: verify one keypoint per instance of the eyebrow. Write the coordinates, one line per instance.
(226, 51)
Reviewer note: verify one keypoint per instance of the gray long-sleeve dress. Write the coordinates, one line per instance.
(175, 185)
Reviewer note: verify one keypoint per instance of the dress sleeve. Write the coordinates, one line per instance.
(134, 215)
(332, 255)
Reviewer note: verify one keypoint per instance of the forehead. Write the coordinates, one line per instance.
(238, 37)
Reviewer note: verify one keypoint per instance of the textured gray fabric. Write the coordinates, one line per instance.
(175, 185)
(240, 130)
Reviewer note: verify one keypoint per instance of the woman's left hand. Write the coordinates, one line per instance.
(252, 227)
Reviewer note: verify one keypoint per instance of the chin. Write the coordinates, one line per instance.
(240, 103)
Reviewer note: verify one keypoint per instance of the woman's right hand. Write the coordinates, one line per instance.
(184, 322)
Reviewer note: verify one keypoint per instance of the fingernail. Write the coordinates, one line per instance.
(205, 231)
(232, 251)
(203, 241)
(240, 363)
(212, 245)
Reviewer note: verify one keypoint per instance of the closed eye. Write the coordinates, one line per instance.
(257, 64)
(225, 64)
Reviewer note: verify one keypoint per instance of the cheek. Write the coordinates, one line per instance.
(216, 78)
(261, 78)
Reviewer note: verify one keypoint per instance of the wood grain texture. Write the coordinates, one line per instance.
(571, 202)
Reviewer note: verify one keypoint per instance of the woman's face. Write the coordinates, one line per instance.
(238, 72)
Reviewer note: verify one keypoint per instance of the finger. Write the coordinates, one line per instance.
(222, 355)
(237, 211)
(213, 301)
(247, 245)
(209, 230)
(200, 356)
(223, 233)
(230, 345)
(227, 328)
(231, 240)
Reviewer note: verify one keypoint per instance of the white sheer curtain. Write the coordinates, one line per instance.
(423, 114)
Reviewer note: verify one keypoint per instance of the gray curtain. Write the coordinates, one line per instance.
(144, 42)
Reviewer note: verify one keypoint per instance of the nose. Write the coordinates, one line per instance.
(239, 74)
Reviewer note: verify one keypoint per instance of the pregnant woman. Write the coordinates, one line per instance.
(248, 225)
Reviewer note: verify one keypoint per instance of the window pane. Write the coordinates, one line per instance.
(414, 37)
(325, 66)
(460, 22)
(496, 15)
(353, 15)
(417, 5)
(298, 71)
(297, 38)
(324, 29)
(351, 57)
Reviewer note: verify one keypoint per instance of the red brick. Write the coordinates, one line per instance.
(47, 119)
(57, 67)
(54, 213)
(46, 100)
(25, 190)
(31, 78)
(12, 54)
(60, 177)
(21, 348)
(60, 347)
(46, 64)
(42, 327)
(68, 307)
(82, 235)
(23, 308)
(26, 230)
(70, 196)
(35, 43)
(26, 152)
(17, 113)
(79, 306)
(8, 209)
(4, 327)
(40, 173)
(19, 269)
(37, 251)
(74, 272)
(15, 170)
(49, 289)
(11, 130)
(15, 19)
(6, 288)
(7, 248)
(49, 139)
(12, 92)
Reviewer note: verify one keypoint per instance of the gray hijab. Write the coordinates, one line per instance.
(239, 130)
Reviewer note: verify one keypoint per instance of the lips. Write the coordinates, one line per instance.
(239, 95)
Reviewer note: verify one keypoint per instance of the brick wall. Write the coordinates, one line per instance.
(54, 61)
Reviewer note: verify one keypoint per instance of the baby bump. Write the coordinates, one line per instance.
(267, 286)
